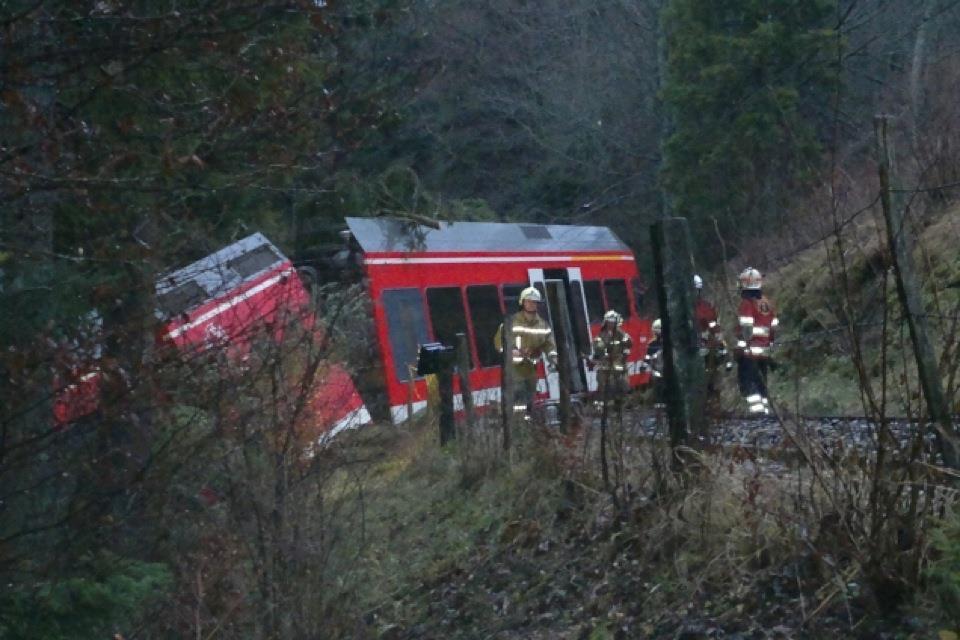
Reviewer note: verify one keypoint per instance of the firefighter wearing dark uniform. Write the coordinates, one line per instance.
(611, 348)
(756, 329)
(654, 363)
(713, 348)
(532, 338)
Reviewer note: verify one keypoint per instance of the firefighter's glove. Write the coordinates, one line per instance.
(728, 366)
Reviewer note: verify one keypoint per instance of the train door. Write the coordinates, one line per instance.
(566, 312)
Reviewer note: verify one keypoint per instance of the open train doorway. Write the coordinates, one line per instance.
(565, 311)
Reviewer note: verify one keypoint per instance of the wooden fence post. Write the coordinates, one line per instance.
(463, 367)
(506, 379)
(445, 389)
(684, 376)
(411, 391)
(908, 289)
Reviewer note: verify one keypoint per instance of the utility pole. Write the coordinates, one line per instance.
(908, 289)
(684, 376)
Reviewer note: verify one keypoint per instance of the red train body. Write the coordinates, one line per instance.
(428, 284)
(226, 301)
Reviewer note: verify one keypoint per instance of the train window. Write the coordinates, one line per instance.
(511, 296)
(616, 293)
(254, 262)
(446, 314)
(181, 299)
(591, 289)
(486, 314)
(406, 327)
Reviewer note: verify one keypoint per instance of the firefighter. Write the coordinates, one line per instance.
(713, 348)
(756, 330)
(611, 348)
(532, 338)
(654, 364)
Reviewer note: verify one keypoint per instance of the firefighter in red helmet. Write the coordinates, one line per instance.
(756, 329)
(713, 348)
(532, 338)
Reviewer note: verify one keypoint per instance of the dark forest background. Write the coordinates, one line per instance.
(137, 136)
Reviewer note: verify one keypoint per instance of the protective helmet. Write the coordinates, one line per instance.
(614, 317)
(656, 326)
(750, 278)
(530, 293)
(697, 282)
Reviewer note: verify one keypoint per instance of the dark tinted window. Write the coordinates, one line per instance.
(511, 296)
(446, 314)
(181, 299)
(591, 288)
(616, 293)
(254, 261)
(406, 326)
(486, 316)
(579, 322)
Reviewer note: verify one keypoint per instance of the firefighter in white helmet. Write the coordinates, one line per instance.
(611, 348)
(531, 338)
(756, 329)
(654, 363)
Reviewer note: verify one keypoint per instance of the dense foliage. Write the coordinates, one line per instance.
(137, 136)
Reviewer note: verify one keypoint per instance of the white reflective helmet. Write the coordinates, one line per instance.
(656, 326)
(614, 317)
(750, 278)
(697, 282)
(530, 293)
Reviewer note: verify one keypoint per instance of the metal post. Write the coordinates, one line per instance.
(506, 380)
(684, 376)
(411, 391)
(445, 388)
(463, 367)
(908, 290)
(564, 362)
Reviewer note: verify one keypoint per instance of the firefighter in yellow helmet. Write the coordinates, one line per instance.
(611, 348)
(531, 337)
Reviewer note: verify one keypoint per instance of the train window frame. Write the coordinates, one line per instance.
(181, 299)
(444, 312)
(415, 302)
(488, 347)
(627, 311)
(250, 263)
(593, 301)
(513, 305)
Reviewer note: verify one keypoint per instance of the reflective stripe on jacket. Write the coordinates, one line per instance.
(533, 338)
(610, 350)
(756, 327)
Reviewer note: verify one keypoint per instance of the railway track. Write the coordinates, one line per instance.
(830, 434)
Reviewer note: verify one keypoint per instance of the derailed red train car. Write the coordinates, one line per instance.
(225, 301)
(428, 285)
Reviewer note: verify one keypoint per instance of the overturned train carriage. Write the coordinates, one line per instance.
(428, 285)
(226, 302)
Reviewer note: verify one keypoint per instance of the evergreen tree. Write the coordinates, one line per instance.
(742, 82)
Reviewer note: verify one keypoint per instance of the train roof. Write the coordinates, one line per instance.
(378, 235)
(216, 274)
